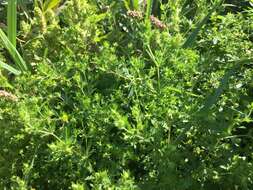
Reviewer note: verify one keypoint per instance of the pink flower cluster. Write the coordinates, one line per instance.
(135, 14)
(159, 24)
(154, 20)
(7, 95)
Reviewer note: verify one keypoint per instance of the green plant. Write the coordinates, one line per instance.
(18, 60)
(191, 39)
(148, 9)
(10, 42)
(12, 21)
(9, 68)
(213, 99)
(114, 104)
(132, 4)
(44, 8)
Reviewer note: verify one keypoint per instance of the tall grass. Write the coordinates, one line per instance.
(224, 82)
(12, 21)
(9, 40)
(18, 60)
(191, 39)
(9, 68)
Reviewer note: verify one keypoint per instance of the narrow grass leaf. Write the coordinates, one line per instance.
(213, 99)
(127, 4)
(12, 21)
(9, 68)
(18, 60)
(135, 4)
(191, 39)
(50, 4)
(184, 92)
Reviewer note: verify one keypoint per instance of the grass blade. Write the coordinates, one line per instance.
(184, 92)
(9, 68)
(135, 4)
(127, 4)
(192, 37)
(213, 99)
(12, 21)
(18, 60)
(50, 4)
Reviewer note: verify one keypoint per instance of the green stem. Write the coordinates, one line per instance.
(148, 10)
(12, 21)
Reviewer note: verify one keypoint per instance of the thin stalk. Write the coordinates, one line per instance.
(12, 21)
(148, 10)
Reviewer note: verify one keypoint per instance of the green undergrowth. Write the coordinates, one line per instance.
(112, 102)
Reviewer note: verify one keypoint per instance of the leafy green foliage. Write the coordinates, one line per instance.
(114, 104)
(192, 37)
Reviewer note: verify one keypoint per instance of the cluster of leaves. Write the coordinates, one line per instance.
(113, 103)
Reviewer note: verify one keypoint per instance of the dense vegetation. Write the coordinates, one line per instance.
(127, 95)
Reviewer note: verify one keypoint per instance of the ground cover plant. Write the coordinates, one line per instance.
(126, 95)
